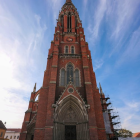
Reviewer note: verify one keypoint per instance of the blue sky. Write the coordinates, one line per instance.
(112, 29)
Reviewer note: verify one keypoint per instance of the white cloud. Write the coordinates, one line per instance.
(130, 116)
(13, 107)
(124, 13)
(20, 35)
(98, 64)
(55, 8)
(122, 18)
(132, 50)
(85, 4)
(94, 27)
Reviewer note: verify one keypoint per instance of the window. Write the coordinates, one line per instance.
(72, 50)
(77, 84)
(62, 20)
(66, 49)
(14, 137)
(63, 77)
(69, 22)
(75, 22)
(69, 73)
(37, 98)
(11, 137)
(1, 134)
(17, 137)
(6, 137)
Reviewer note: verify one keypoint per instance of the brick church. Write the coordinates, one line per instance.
(68, 106)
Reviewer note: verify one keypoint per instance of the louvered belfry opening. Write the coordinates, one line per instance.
(62, 22)
(69, 22)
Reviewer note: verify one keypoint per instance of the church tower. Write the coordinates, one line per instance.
(68, 105)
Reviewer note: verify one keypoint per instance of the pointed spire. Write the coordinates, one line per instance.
(68, 1)
(101, 91)
(34, 90)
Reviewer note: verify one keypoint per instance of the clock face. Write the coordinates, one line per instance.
(69, 39)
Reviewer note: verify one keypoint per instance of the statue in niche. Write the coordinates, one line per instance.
(57, 38)
(70, 115)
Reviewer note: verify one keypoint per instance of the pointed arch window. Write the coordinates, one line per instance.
(69, 22)
(77, 79)
(62, 23)
(62, 77)
(69, 73)
(66, 49)
(72, 50)
(75, 22)
(37, 98)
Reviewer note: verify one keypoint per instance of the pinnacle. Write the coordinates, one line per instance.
(34, 90)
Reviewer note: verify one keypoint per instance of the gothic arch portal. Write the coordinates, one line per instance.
(71, 112)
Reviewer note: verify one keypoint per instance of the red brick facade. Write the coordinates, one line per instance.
(40, 118)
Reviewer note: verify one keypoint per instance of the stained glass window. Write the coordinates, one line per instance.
(69, 73)
(72, 50)
(77, 84)
(66, 49)
(62, 77)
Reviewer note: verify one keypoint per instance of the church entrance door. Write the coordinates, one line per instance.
(70, 132)
(32, 137)
(71, 120)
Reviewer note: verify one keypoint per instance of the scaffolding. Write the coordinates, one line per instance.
(113, 114)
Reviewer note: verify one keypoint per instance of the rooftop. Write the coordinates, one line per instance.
(136, 135)
(13, 130)
(2, 126)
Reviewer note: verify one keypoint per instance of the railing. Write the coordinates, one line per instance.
(70, 55)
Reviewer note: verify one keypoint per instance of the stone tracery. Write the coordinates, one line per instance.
(71, 111)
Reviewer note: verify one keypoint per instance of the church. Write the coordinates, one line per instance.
(69, 105)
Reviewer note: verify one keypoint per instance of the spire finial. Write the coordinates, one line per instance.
(34, 90)
(68, 1)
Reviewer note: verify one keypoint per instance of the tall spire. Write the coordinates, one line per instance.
(68, 1)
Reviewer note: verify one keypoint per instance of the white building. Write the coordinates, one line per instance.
(12, 134)
(129, 138)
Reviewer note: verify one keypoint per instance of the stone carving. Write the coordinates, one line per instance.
(82, 39)
(70, 116)
(70, 90)
(69, 39)
(57, 38)
(70, 8)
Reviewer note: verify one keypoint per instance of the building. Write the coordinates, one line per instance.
(68, 106)
(12, 134)
(2, 130)
(137, 135)
(131, 138)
